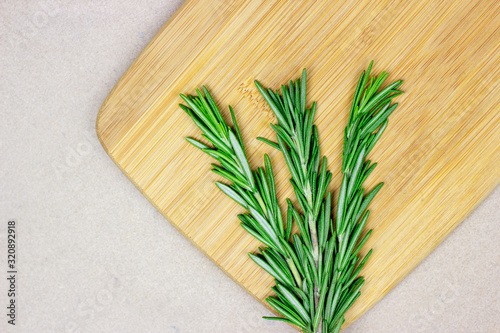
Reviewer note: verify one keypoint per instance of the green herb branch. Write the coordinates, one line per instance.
(317, 275)
(298, 141)
(255, 191)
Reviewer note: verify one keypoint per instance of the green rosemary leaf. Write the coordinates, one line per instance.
(283, 135)
(347, 304)
(346, 273)
(299, 251)
(269, 142)
(355, 102)
(269, 268)
(378, 119)
(366, 201)
(297, 99)
(377, 136)
(288, 106)
(303, 91)
(339, 319)
(286, 311)
(355, 205)
(278, 263)
(302, 295)
(341, 203)
(365, 80)
(310, 291)
(354, 278)
(214, 109)
(309, 257)
(327, 220)
(285, 320)
(363, 241)
(289, 221)
(208, 134)
(235, 179)
(262, 222)
(246, 195)
(331, 301)
(380, 96)
(291, 90)
(225, 160)
(329, 259)
(197, 143)
(353, 283)
(300, 196)
(297, 163)
(293, 256)
(356, 233)
(322, 225)
(231, 193)
(355, 173)
(259, 235)
(368, 170)
(210, 115)
(291, 165)
(264, 190)
(242, 158)
(272, 105)
(324, 181)
(304, 231)
(297, 305)
(338, 325)
(288, 118)
(235, 124)
(309, 129)
(201, 114)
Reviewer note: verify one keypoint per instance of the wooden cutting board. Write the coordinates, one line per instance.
(439, 157)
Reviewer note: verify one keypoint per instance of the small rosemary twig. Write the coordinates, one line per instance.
(255, 191)
(334, 250)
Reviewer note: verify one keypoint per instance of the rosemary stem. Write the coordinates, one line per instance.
(315, 250)
(311, 221)
(314, 239)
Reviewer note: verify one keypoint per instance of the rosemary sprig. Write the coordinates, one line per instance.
(317, 275)
(334, 250)
(298, 141)
(255, 191)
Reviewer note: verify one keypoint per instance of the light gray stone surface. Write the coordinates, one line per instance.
(95, 256)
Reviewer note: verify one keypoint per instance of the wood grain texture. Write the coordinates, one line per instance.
(439, 157)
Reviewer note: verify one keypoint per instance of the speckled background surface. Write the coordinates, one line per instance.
(95, 256)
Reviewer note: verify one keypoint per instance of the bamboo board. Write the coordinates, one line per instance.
(439, 156)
